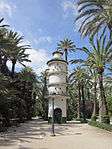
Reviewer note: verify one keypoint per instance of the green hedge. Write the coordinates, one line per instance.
(82, 120)
(107, 127)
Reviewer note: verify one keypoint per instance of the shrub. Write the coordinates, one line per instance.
(93, 118)
(107, 127)
(82, 120)
(105, 119)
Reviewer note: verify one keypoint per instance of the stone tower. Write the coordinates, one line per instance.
(57, 73)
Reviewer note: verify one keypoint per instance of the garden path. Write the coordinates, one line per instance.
(36, 134)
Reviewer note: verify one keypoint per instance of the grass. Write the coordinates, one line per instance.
(105, 126)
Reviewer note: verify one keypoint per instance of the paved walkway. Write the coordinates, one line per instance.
(36, 134)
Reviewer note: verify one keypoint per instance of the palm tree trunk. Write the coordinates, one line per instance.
(3, 68)
(103, 109)
(13, 69)
(0, 62)
(66, 55)
(45, 102)
(78, 103)
(83, 103)
(94, 103)
(88, 94)
(5, 60)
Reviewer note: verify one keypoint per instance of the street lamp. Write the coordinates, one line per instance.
(53, 133)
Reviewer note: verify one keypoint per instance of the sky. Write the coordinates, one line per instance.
(43, 23)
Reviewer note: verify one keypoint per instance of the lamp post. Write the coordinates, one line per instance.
(53, 133)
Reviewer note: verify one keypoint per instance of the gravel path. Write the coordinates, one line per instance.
(36, 134)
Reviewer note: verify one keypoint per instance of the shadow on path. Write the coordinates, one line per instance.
(36, 129)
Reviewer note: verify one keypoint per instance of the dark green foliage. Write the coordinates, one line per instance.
(109, 101)
(42, 100)
(17, 98)
(83, 120)
(105, 119)
(27, 89)
(66, 45)
(93, 118)
(79, 79)
(105, 126)
(17, 90)
(71, 104)
(95, 16)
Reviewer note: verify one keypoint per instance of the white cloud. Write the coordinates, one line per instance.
(37, 56)
(67, 5)
(43, 39)
(69, 8)
(6, 8)
(38, 59)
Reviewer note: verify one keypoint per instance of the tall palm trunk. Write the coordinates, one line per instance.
(83, 103)
(0, 59)
(94, 102)
(13, 69)
(78, 102)
(88, 94)
(45, 101)
(4, 62)
(0, 63)
(66, 55)
(103, 109)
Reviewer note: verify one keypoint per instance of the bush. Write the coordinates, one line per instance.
(105, 119)
(82, 120)
(107, 127)
(93, 118)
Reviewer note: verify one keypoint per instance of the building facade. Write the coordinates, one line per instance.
(57, 88)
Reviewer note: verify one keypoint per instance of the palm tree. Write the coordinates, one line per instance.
(74, 79)
(41, 90)
(66, 45)
(3, 59)
(19, 56)
(3, 44)
(96, 14)
(91, 81)
(28, 79)
(99, 56)
(13, 49)
(108, 90)
(94, 83)
(44, 93)
(4, 25)
(80, 78)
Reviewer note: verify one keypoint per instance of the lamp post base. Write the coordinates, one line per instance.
(53, 135)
